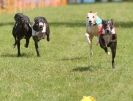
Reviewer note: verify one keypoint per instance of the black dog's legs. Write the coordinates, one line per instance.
(37, 50)
(48, 39)
(113, 50)
(27, 43)
(106, 50)
(36, 45)
(102, 45)
(15, 43)
(18, 46)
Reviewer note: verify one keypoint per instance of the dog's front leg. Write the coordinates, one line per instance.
(37, 49)
(36, 45)
(113, 50)
(27, 43)
(48, 39)
(89, 39)
(18, 46)
(15, 43)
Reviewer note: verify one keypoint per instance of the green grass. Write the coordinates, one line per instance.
(64, 72)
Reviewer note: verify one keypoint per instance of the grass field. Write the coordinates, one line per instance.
(64, 72)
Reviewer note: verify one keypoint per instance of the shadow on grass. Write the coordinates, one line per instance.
(6, 23)
(7, 55)
(68, 24)
(77, 24)
(85, 68)
(82, 24)
(73, 58)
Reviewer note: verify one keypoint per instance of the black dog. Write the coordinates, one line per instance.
(109, 39)
(21, 29)
(39, 31)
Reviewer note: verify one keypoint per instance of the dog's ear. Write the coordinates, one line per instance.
(90, 12)
(103, 22)
(43, 18)
(18, 16)
(35, 19)
(112, 21)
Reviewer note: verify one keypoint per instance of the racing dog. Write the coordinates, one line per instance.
(40, 29)
(108, 38)
(93, 27)
(21, 29)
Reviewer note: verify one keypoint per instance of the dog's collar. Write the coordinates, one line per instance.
(98, 20)
(94, 24)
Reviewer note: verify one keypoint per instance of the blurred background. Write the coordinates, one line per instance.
(15, 5)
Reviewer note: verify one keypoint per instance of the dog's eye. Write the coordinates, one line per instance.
(93, 17)
(87, 17)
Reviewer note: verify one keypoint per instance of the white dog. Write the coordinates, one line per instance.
(93, 27)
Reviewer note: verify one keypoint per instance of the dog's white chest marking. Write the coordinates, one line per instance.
(113, 31)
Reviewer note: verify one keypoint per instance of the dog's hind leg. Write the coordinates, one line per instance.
(18, 46)
(91, 52)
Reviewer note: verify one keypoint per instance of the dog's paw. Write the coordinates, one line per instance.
(108, 53)
(48, 39)
(19, 55)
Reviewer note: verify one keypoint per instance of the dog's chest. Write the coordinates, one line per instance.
(92, 30)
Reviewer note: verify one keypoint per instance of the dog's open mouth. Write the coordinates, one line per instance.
(90, 24)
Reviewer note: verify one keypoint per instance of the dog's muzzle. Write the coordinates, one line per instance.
(108, 31)
(90, 23)
(41, 25)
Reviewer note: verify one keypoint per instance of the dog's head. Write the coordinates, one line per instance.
(39, 23)
(91, 18)
(108, 25)
(21, 19)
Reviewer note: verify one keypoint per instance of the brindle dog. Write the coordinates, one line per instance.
(109, 39)
(40, 30)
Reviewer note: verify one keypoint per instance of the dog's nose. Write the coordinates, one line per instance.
(107, 31)
(90, 21)
(41, 27)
